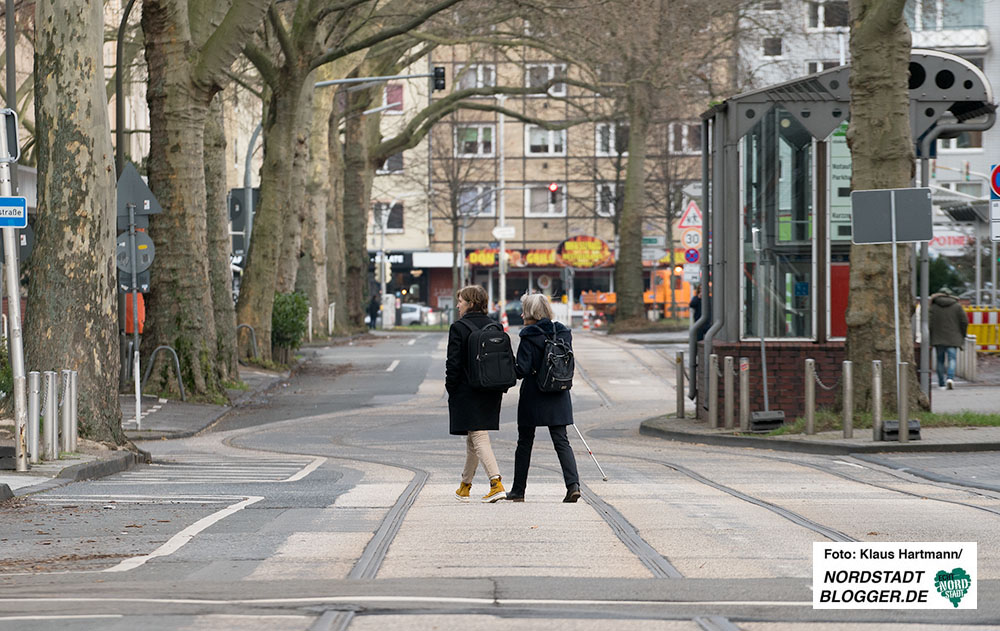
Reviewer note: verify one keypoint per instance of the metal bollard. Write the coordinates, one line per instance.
(50, 420)
(64, 430)
(727, 391)
(903, 403)
(744, 394)
(331, 311)
(310, 325)
(971, 354)
(876, 400)
(34, 388)
(713, 391)
(810, 385)
(74, 397)
(848, 379)
(679, 359)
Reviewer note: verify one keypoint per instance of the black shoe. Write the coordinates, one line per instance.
(572, 493)
(515, 498)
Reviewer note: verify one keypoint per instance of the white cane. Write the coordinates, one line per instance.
(590, 452)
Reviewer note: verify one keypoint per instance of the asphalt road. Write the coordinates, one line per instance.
(329, 506)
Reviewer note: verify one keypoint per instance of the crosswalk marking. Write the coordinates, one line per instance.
(213, 469)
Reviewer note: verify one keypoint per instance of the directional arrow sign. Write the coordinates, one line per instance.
(504, 232)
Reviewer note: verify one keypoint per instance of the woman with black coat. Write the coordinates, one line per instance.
(541, 409)
(472, 413)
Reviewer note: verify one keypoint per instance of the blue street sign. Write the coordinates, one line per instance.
(13, 212)
(691, 255)
(995, 181)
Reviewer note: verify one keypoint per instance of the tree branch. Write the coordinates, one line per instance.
(260, 59)
(284, 40)
(225, 43)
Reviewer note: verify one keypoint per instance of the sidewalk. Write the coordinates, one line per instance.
(160, 419)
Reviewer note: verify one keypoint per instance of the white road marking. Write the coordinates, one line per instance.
(177, 541)
(849, 464)
(392, 366)
(315, 464)
(56, 617)
(412, 342)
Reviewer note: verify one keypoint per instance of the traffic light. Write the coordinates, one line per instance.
(553, 193)
(439, 83)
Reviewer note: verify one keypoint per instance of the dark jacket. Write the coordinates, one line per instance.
(536, 407)
(948, 321)
(468, 409)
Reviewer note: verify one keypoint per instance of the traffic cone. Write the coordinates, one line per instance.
(505, 322)
(586, 320)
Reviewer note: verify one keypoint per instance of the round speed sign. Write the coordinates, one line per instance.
(692, 238)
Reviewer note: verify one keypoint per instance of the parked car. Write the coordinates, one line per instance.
(513, 313)
(413, 314)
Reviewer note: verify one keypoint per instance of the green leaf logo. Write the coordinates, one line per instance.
(953, 585)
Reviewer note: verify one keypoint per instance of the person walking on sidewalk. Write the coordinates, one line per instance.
(472, 413)
(948, 324)
(373, 307)
(536, 408)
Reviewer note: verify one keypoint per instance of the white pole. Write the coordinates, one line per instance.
(503, 243)
(310, 324)
(895, 295)
(14, 309)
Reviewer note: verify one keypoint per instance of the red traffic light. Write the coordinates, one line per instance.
(553, 188)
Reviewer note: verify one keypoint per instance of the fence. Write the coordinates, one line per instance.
(984, 324)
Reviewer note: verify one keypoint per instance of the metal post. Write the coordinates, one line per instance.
(331, 312)
(248, 192)
(810, 389)
(713, 391)
(502, 262)
(65, 432)
(972, 354)
(848, 379)
(135, 314)
(679, 361)
(34, 387)
(75, 423)
(727, 391)
(903, 403)
(13, 285)
(119, 93)
(744, 394)
(50, 424)
(310, 318)
(876, 400)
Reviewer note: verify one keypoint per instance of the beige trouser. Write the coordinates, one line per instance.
(478, 449)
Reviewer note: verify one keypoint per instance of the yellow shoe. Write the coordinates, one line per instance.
(497, 491)
(462, 494)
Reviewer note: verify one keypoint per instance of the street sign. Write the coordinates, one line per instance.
(871, 218)
(691, 217)
(653, 254)
(657, 241)
(132, 190)
(504, 232)
(691, 255)
(692, 238)
(145, 251)
(995, 181)
(13, 212)
(692, 273)
(995, 220)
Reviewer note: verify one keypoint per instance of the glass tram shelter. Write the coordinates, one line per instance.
(778, 168)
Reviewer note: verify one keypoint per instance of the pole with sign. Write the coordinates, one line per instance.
(995, 205)
(14, 215)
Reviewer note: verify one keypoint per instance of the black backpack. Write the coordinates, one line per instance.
(490, 364)
(556, 371)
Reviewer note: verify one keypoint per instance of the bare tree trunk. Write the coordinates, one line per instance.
(220, 244)
(358, 175)
(312, 266)
(628, 258)
(256, 301)
(336, 262)
(882, 156)
(291, 250)
(72, 269)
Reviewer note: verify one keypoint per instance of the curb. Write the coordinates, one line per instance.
(5, 493)
(83, 471)
(650, 427)
(927, 475)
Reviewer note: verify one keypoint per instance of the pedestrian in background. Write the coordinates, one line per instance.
(373, 307)
(472, 413)
(536, 408)
(948, 324)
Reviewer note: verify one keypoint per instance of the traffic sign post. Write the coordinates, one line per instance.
(995, 203)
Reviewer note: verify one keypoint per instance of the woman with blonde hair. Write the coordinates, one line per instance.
(472, 413)
(537, 408)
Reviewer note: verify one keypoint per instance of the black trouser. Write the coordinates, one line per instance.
(522, 456)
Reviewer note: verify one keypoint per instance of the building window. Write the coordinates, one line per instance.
(394, 218)
(477, 76)
(830, 14)
(685, 138)
(772, 47)
(477, 200)
(607, 200)
(537, 75)
(932, 15)
(392, 98)
(972, 189)
(545, 142)
(964, 140)
(474, 140)
(612, 139)
(771, 6)
(540, 202)
(819, 66)
(393, 164)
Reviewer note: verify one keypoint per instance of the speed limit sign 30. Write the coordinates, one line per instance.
(692, 238)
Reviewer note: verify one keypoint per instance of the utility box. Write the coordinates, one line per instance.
(890, 430)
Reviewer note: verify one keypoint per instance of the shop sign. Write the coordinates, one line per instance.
(584, 252)
(540, 258)
(485, 257)
(949, 242)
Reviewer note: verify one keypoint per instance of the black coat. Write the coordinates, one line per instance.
(468, 409)
(535, 407)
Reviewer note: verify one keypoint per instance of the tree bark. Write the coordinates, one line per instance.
(336, 261)
(220, 244)
(312, 266)
(72, 269)
(292, 250)
(882, 157)
(628, 257)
